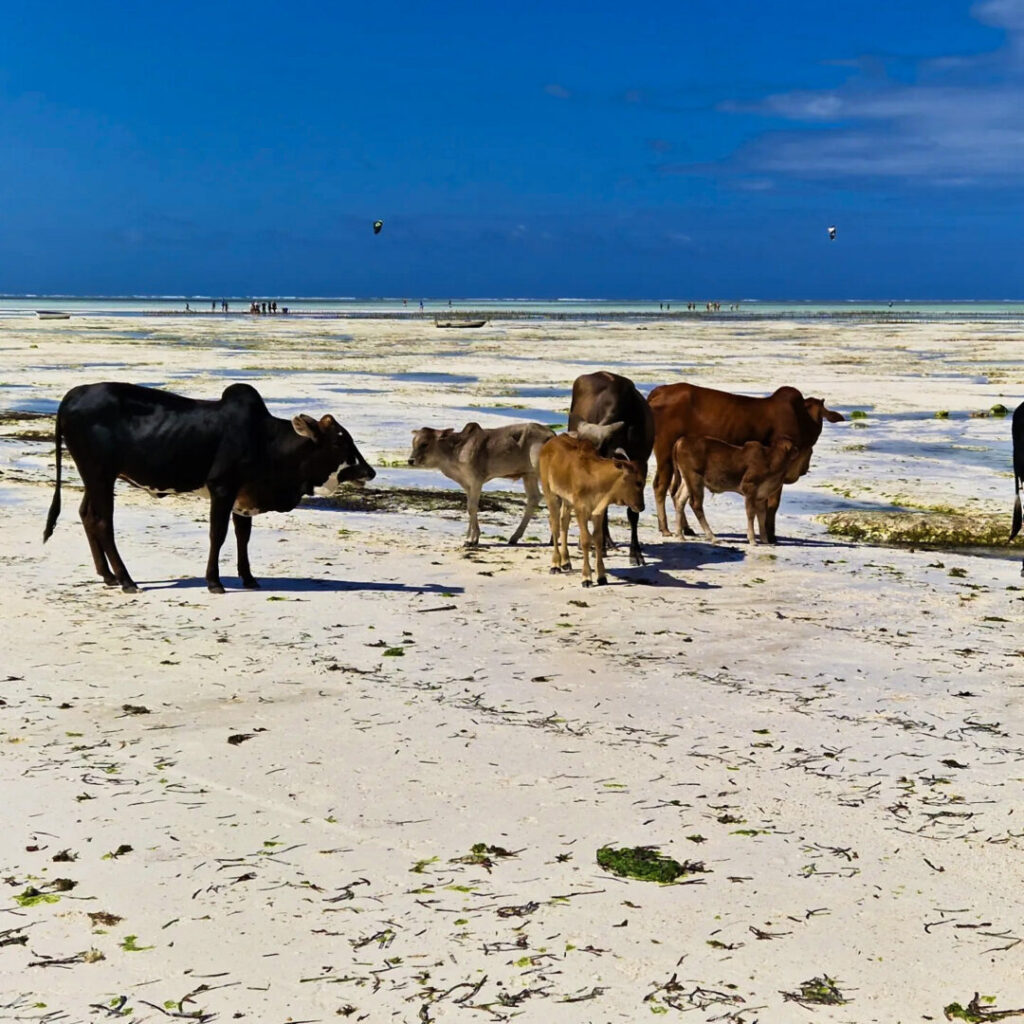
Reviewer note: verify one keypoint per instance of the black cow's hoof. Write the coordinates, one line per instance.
(251, 584)
(215, 588)
(110, 581)
(636, 560)
(513, 541)
(602, 581)
(588, 583)
(129, 587)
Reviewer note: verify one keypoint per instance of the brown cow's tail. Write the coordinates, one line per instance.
(51, 519)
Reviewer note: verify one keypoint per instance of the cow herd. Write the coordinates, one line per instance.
(247, 461)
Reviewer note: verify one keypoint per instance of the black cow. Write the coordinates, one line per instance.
(232, 449)
(1018, 469)
(606, 398)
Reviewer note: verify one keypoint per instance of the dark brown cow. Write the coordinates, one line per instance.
(575, 478)
(231, 449)
(692, 411)
(606, 398)
(754, 470)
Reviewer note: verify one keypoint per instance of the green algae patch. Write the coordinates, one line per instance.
(975, 1012)
(32, 897)
(942, 530)
(646, 864)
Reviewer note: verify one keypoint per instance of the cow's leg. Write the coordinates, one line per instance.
(602, 576)
(608, 542)
(762, 520)
(221, 502)
(99, 559)
(680, 498)
(532, 489)
(243, 530)
(101, 518)
(753, 507)
(636, 556)
(554, 520)
(559, 512)
(663, 477)
(772, 509)
(565, 515)
(662, 480)
(472, 507)
(684, 529)
(585, 542)
(697, 504)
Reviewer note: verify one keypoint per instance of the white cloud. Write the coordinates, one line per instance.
(961, 122)
(1008, 14)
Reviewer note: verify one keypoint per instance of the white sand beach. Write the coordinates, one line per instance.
(832, 734)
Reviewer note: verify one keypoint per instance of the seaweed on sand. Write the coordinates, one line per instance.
(646, 864)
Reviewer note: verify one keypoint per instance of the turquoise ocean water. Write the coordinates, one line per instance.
(569, 308)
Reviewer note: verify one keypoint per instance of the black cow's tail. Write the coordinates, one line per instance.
(1016, 508)
(51, 519)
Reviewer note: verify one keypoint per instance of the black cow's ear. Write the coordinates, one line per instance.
(328, 422)
(306, 426)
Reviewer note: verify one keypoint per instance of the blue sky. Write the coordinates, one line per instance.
(694, 149)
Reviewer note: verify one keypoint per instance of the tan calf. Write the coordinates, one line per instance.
(574, 476)
(473, 455)
(755, 470)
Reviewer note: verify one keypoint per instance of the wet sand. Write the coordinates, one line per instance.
(829, 733)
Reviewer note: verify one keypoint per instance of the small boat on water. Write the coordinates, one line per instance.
(52, 314)
(459, 323)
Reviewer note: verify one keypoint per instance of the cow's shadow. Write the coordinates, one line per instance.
(306, 585)
(667, 559)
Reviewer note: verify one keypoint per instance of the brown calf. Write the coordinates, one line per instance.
(574, 476)
(754, 470)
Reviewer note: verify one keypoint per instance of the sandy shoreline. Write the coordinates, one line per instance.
(832, 730)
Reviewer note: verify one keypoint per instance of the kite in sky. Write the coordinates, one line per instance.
(831, 233)
(377, 225)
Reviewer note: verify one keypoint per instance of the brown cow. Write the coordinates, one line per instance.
(693, 411)
(754, 470)
(607, 399)
(473, 455)
(574, 476)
